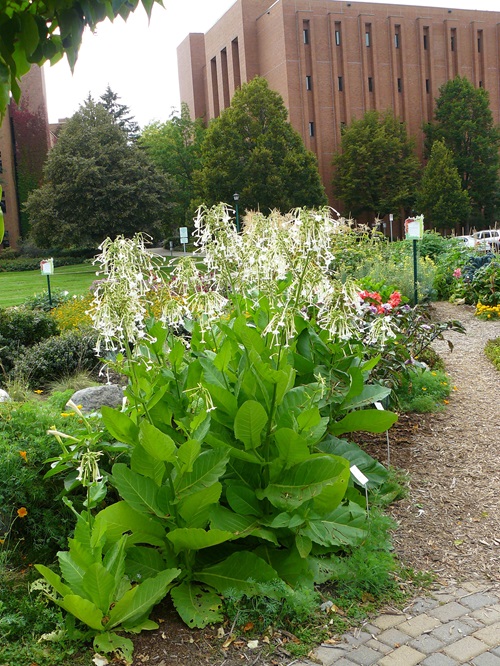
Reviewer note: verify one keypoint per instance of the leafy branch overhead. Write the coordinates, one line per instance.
(37, 31)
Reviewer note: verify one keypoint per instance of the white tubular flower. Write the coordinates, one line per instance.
(119, 308)
(88, 470)
(381, 329)
(282, 326)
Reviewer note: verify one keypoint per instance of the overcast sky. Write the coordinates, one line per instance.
(139, 61)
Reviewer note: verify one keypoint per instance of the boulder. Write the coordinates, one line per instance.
(4, 396)
(93, 398)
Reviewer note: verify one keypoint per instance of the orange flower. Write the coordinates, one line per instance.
(22, 512)
(23, 455)
(446, 402)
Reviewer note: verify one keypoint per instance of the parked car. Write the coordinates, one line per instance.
(487, 240)
(468, 241)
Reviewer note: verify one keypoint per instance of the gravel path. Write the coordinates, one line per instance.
(450, 522)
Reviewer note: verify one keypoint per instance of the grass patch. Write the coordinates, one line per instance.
(492, 351)
(16, 287)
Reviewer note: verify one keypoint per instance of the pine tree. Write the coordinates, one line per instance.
(121, 114)
(441, 199)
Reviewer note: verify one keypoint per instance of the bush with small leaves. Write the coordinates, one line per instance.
(57, 357)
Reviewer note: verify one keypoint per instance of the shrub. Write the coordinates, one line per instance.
(20, 328)
(486, 283)
(25, 446)
(424, 391)
(57, 357)
(492, 351)
(27, 264)
(41, 300)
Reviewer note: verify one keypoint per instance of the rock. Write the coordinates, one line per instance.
(93, 398)
(4, 396)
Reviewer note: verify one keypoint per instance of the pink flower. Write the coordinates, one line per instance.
(394, 299)
(457, 273)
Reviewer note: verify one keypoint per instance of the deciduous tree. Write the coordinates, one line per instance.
(463, 120)
(97, 185)
(252, 149)
(441, 198)
(175, 147)
(377, 170)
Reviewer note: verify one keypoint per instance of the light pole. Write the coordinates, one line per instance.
(236, 198)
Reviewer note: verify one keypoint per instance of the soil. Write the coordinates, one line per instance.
(448, 524)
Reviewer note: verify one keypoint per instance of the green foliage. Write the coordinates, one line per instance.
(2, 223)
(464, 122)
(38, 32)
(42, 301)
(25, 448)
(441, 198)
(96, 184)
(120, 114)
(30, 264)
(57, 357)
(424, 391)
(486, 283)
(252, 149)
(21, 328)
(377, 169)
(492, 351)
(175, 147)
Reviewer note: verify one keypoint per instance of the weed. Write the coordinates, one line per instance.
(492, 351)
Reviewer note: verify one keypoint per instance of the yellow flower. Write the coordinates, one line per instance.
(446, 402)
(38, 391)
(23, 455)
(2, 541)
(22, 512)
(455, 388)
(424, 388)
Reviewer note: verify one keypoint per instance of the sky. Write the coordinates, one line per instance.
(138, 59)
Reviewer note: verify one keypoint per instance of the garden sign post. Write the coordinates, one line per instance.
(47, 268)
(183, 234)
(414, 229)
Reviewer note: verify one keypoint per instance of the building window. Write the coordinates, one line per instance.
(308, 82)
(427, 86)
(367, 38)
(311, 129)
(341, 84)
(305, 32)
(453, 39)
(480, 84)
(425, 42)
(400, 86)
(479, 40)
(337, 36)
(396, 40)
(370, 84)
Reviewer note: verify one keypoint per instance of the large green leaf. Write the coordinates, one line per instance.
(367, 420)
(138, 491)
(72, 573)
(368, 396)
(120, 425)
(156, 443)
(99, 585)
(144, 464)
(83, 609)
(242, 500)
(114, 560)
(207, 469)
(223, 399)
(292, 447)
(241, 571)
(197, 605)
(249, 423)
(188, 452)
(121, 518)
(304, 481)
(110, 643)
(375, 471)
(143, 562)
(195, 538)
(195, 508)
(53, 579)
(331, 495)
(139, 600)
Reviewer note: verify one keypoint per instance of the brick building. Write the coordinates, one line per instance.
(24, 142)
(332, 61)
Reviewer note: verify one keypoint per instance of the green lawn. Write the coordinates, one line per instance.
(16, 287)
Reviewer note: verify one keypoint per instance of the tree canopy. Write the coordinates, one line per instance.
(377, 170)
(252, 149)
(463, 120)
(441, 198)
(36, 31)
(121, 114)
(97, 184)
(175, 147)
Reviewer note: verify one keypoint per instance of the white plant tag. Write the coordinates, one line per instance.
(358, 475)
(379, 406)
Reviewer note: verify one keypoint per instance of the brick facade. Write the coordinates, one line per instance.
(333, 60)
(24, 143)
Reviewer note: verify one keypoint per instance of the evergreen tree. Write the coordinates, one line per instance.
(121, 114)
(463, 120)
(252, 149)
(441, 198)
(96, 185)
(377, 170)
(175, 147)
